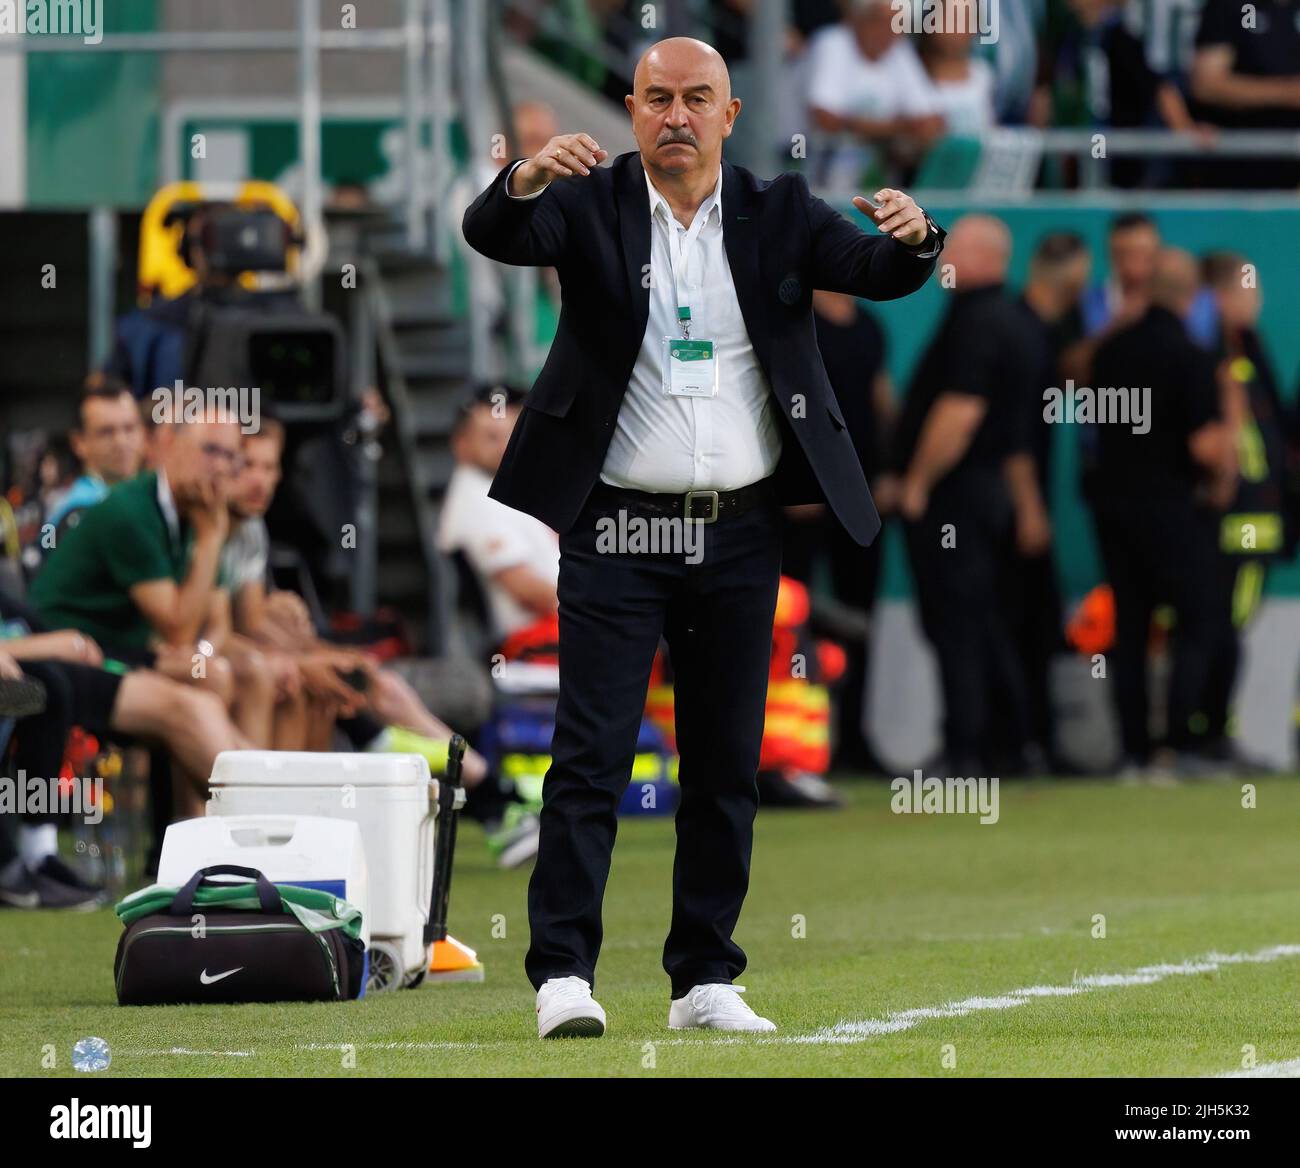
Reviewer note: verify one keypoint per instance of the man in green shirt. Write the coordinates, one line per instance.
(137, 573)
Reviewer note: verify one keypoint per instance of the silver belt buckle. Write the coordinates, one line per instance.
(712, 496)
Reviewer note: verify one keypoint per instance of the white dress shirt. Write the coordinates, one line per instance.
(675, 444)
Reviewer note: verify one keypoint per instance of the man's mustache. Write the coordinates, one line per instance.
(678, 136)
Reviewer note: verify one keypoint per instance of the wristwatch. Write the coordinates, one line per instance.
(932, 244)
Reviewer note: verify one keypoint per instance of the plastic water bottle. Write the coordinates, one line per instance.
(91, 1054)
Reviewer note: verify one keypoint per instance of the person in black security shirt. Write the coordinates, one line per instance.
(852, 345)
(962, 418)
(1252, 528)
(1051, 322)
(1147, 490)
(1246, 75)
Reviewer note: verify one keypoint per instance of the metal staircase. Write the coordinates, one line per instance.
(423, 350)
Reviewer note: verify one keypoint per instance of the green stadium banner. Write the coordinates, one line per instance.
(93, 118)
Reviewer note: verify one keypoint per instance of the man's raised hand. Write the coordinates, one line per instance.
(896, 215)
(562, 157)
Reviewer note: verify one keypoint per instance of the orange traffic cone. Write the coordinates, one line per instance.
(452, 961)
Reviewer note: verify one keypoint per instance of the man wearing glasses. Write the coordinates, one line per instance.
(138, 572)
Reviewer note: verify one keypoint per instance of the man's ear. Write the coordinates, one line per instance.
(733, 110)
(630, 102)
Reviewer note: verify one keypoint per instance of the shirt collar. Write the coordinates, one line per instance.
(657, 200)
(167, 505)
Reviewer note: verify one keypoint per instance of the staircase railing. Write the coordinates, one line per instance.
(418, 485)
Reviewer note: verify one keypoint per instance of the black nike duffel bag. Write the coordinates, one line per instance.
(250, 941)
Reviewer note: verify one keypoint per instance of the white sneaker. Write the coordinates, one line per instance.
(566, 1009)
(717, 1007)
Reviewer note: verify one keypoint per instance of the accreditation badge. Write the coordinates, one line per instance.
(690, 367)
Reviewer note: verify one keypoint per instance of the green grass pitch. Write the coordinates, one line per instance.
(856, 917)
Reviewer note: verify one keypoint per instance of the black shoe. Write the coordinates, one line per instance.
(23, 888)
(21, 697)
(17, 889)
(52, 868)
(62, 896)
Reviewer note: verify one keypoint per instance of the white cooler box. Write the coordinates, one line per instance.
(390, 797)
(308, 850)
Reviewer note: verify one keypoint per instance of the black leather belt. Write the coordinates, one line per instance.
(703, 506)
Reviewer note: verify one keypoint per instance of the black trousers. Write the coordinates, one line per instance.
(1235, 574)
(75, 695)
(960, 552)
(1160, 551)
(717, 618)
(1033, 607)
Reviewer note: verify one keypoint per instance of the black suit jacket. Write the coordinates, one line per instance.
(781, 242)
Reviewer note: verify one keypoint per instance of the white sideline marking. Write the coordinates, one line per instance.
(341, 1046)
(848, 1032)
(1290, 1069)
(205, 1053)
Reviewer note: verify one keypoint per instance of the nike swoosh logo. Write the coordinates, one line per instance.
(204, 979)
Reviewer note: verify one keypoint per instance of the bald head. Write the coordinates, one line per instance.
(979, 249)
(681, 106)
(1175, 280)
(683, 55)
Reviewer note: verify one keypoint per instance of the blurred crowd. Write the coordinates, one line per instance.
(905, 88)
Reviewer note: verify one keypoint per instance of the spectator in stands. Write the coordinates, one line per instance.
(55, 471)
(535, 125)
(108, 440)
(494, 284)
(961, 420)
(1127, 92)
(807, 17)
(962, 84)
(1246, 75)
(1145, 483)
(1021, 70)
(80, 691)
(1167, 29)
(516, 557)
(1050, 322)
(866, 81)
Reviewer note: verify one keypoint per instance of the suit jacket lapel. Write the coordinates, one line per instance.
(740, 238)
(634, 231)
